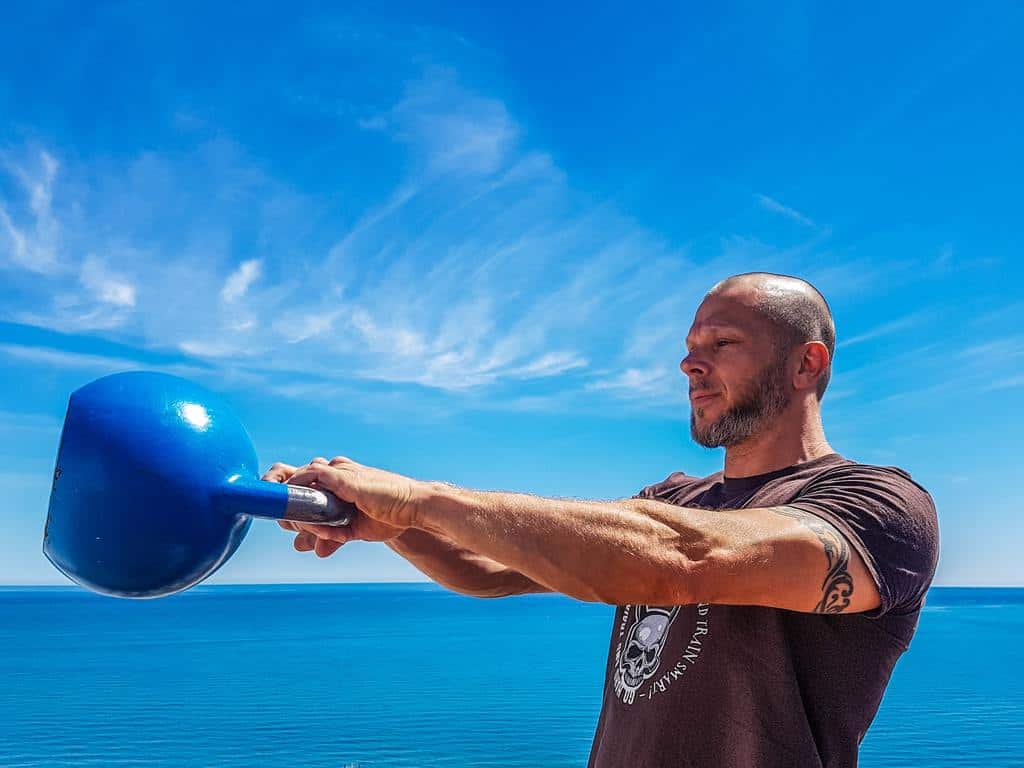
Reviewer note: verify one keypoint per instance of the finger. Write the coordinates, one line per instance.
(323, 476)
(319, 460)
(304, 542)
(325, 548)
(288, 525)
(341, 460)
(279, 472)
(339, 533)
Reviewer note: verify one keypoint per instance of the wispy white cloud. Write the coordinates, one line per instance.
(57, 358)
(885, 329)
(1008, 382)
(90, 297)
(453, 129)
(208, 349)
(950, 260)
(297, 327)
(885, 371)
(937, 373)
(834, 395)
(106, 285)
(1009, 315)
(551, 364)
(637, 382)
(773, 205)
(32, 243)
(996, 350)
(100, 364)
(238, 282)
(922, 389)
(843, 278)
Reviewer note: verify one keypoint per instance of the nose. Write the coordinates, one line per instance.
(693, 365)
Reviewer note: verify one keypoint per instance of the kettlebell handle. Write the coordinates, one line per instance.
(279, 501)
(309, 505)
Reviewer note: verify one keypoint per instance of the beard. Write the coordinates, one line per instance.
(753, 411)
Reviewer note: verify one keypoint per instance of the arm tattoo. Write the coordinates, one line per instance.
(837, 586)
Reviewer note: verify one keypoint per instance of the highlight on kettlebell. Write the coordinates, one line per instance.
(156, 484)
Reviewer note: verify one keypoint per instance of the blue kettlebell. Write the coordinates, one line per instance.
(156, 485)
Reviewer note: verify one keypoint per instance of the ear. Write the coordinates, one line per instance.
(814, 361)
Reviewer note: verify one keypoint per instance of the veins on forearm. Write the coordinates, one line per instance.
(837, 586)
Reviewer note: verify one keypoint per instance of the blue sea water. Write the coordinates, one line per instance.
(412, 675)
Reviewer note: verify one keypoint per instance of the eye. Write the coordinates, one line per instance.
(720, 342)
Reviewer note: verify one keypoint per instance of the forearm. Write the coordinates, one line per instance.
(460, 569)
(617, 552)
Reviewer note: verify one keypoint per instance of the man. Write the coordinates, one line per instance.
(760, 610)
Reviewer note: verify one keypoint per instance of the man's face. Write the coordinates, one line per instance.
(739, 384)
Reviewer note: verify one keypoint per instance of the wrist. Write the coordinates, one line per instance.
(432, 501)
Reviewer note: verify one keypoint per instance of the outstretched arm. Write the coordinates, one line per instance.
(644, 551)
(627, 551)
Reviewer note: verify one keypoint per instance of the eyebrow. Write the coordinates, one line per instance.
(719, 326)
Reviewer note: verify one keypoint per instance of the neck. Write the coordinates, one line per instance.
(787, 442)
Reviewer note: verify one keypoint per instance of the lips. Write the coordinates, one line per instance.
(703, 398)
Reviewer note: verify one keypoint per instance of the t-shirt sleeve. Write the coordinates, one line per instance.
(889, 520)
(659, 490)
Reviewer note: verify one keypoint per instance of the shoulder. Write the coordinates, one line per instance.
(672, 485)
(888, 482)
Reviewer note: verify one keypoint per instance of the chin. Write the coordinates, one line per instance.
(702, 411)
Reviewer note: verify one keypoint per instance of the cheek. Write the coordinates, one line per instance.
(738, 376)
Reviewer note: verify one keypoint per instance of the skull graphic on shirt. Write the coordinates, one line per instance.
(638, 659)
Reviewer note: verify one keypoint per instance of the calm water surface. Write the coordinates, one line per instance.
(411, 675)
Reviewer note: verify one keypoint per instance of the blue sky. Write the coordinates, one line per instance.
(466, 244)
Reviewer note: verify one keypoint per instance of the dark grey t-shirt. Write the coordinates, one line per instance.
(721, 686)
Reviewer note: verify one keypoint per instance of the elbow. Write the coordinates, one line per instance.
(474, 590)
(501, 585)
(712, 575)
(677, 583)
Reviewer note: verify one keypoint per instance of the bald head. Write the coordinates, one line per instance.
(794, 307)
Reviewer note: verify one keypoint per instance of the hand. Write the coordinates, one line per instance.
(325, 540)
(386, 497)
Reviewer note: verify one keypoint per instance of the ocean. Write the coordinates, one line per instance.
(405, 675)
